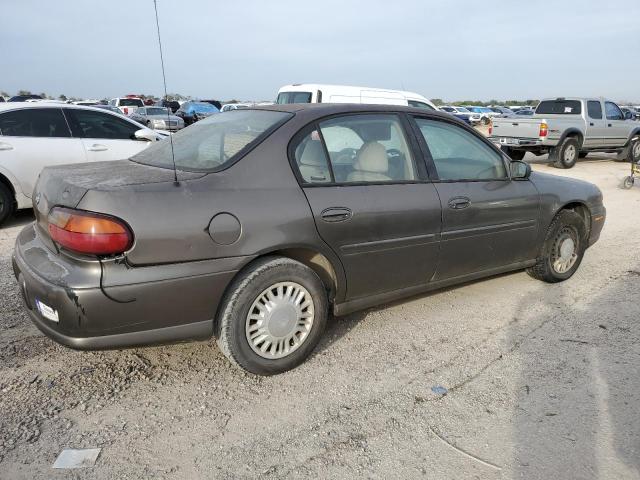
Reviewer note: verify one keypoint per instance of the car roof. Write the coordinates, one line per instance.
(21, 105)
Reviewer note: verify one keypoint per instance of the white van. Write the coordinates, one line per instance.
(317, 93)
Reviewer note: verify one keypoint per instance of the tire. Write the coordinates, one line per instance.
(567, 224)
(7, 203)
(514, 154)
(628, 182)
(566, 154)
(583, 154)
(634, 151)
(241, 312)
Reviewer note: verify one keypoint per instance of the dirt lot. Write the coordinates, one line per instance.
(543, 382)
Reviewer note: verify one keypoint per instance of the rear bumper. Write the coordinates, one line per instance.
(517, 142)
(166, 303)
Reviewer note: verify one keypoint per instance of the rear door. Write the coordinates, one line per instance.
(34, 138)
(370, 200)
(489, 220)
(105, 136)
(596, 125)
(617, 127)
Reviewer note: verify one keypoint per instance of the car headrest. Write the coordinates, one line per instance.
(372, 157)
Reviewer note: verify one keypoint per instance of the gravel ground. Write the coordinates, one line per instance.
(542, 382)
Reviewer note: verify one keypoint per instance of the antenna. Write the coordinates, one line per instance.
(164, 79)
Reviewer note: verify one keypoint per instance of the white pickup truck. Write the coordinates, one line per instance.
(568, 129)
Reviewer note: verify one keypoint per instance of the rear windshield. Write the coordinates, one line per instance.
(157, 111)
(203, 107)
(294, 97)
(130, 102)
(559, 107)
(212, 144)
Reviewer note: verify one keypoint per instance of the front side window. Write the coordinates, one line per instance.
(294, 97)
(613, 111)
(90, 124)
(458, 154)
(368, 148)
(34, 122)
(213, 143)
(594, 109)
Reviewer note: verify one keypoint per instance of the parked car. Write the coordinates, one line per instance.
(215, 103)
(191, 112)
(234, 106)
(36, 135)
(316, 93)
(462, 113)
(503, 112)
(526, 112)
(172, 104)
(86, 103)
(280, 215)
(568, 129)
(127, 105)
(110, 108)
(24, 98)
(158, 118)
(486, 114)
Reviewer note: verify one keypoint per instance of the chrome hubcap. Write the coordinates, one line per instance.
(636, 151)
(566, 254)
(570, 153)
(280, 320)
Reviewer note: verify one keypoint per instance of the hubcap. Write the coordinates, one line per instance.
(565, 253)
(636, 151)
(570, 153)
(280, 320)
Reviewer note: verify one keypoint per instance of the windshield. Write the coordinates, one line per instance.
(130, 102)
(294, 97)
(559, 107)
(156, 111)
(204, 108)
(213, 143)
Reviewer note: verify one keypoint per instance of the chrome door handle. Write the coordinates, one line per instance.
(5, 146)
(459, 203)
(336, 214)
(96, 147)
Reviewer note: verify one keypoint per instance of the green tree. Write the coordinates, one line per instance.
(24, 92)
(437, 101)
(62, 97)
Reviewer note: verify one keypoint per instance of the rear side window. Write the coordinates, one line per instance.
(559, 107)
(90, 124)
(311, 159)
(34, 122)
(213, 143)
(613, 111)
(458, 154)
(594, 109)
(294, 97)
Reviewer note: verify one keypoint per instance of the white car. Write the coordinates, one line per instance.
(317, 93)
(37, 135)
(227, 107)
(473, 117)
(127, 105)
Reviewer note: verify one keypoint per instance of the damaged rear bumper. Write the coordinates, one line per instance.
(101, 305)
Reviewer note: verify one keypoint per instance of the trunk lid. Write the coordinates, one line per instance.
(516, 127)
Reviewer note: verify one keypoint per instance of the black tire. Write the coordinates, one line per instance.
(7, 203)
(583, 154)
(634, 151)
(514, 154)
(566, 224)
(628, 182)
(239, 299)
(566, 154)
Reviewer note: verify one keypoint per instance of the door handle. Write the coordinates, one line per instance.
(336, 214)
(608, 124)
(459, 203)
(96, 147)
(5, 146)
(591, 124)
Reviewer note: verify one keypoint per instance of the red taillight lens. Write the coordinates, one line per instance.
(544, 129)
(87, 232)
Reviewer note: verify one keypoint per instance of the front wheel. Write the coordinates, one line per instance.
(566, 154)
(562, 250)
(272, 316)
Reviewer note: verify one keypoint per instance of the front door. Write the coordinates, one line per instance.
(371, 202)
(489, 220)
(617, 127)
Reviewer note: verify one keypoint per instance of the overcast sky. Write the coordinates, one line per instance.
(247, 49)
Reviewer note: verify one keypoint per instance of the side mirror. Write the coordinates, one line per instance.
(520, 170)
(146, 134)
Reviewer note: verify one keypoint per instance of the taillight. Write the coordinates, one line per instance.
(87, 232)
(544, 129)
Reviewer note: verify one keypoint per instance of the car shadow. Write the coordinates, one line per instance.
(19, 219)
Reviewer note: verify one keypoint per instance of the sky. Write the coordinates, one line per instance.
(248, 49)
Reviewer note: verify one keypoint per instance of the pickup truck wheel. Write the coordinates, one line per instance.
(272, 316)
(634, 151)
(514, 154)
(562, 250)
(566, 154)
(7, 203)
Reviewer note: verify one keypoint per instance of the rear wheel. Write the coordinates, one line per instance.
(7, 203)
(562, 250)
(273, 316)
(634, 151)
(566, 154)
